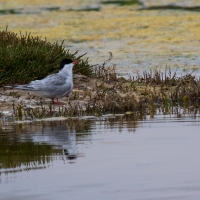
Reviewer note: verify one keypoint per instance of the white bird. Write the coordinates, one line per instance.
(54, 85)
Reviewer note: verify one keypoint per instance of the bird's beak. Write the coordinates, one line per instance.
(75, 62)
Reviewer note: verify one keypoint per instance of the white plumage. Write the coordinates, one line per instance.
(54, 85)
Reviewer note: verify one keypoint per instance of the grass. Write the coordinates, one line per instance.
(24, 58)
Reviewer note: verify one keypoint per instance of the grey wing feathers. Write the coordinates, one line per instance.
(54, 84)
(51, 82)
(48, 83)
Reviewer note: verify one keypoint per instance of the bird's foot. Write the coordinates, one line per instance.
(57, 102)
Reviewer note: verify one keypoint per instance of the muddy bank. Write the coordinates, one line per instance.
(107, 94)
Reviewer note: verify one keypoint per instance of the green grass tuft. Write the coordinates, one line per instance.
(24, 58)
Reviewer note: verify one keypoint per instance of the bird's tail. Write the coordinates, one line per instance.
(20, 87)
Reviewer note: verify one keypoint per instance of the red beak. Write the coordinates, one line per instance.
(75, 62)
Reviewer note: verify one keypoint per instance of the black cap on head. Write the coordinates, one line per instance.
(65, 62)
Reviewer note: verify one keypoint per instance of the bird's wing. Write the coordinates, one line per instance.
(51, 83)
(54, 85)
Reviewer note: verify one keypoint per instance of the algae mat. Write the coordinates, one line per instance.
(138, 39)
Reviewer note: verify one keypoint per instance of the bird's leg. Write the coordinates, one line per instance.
(57, 102)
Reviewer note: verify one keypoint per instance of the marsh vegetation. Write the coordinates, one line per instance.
(98, 89)
(105, 93)
(24, 58)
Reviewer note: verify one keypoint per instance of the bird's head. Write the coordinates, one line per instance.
(67, 64)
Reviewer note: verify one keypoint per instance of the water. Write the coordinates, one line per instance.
(106, 158)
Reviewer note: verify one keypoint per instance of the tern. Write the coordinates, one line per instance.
(53, 86)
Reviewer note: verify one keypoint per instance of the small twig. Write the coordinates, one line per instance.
(105, 62)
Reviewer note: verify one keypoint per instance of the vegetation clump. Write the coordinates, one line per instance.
(108, 94)
(24, 58)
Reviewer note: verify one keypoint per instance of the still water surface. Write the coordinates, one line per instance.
(106, 158)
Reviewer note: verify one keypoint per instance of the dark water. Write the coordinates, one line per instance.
(117, 158)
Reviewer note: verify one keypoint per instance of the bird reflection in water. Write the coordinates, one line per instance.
(69, 148)
(36, 149)
(61, 138)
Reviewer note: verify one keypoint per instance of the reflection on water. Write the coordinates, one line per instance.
(137, 156)
(36, 145)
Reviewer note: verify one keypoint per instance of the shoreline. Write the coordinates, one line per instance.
(106, 94)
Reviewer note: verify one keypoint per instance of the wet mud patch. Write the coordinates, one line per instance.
(172, 7)
(121, 2)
